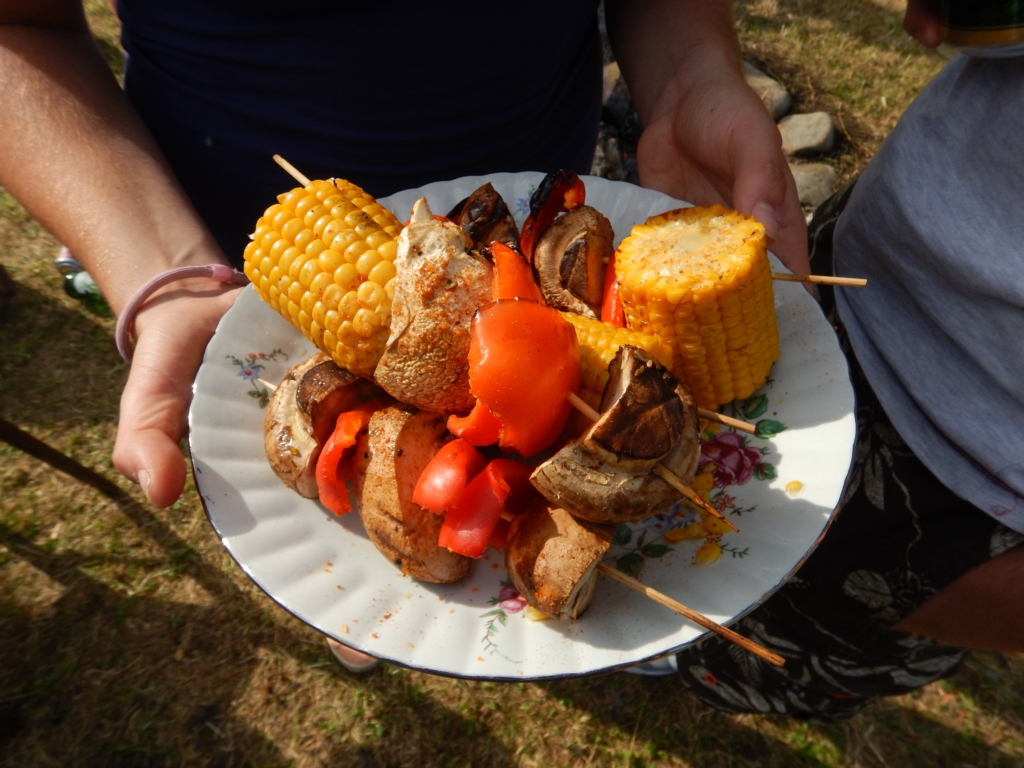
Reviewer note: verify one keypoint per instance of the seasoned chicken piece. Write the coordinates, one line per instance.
(647, 418)
(439, 285)
(301, 415)
(552, 560)
(389, 458)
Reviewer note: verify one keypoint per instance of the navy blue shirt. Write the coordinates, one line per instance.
(390, 97)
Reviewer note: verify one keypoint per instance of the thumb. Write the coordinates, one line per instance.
(155, 401)
(764, 188)
(152, 421)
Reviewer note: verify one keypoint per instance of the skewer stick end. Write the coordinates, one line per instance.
(292, 170)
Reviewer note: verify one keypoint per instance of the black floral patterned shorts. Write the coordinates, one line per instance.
(900, 538)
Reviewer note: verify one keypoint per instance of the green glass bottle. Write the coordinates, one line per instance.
(80, 285)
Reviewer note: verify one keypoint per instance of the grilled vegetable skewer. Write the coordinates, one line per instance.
(663, 472)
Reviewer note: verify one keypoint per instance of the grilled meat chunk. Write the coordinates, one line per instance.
(389, 458)
(552, 560)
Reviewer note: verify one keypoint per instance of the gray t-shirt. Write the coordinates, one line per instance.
(936, 224)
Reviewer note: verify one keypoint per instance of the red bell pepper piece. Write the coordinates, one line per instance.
(334, 466)
(611, 307)
(478, 428)
(514, 478)
(523, 363)
(447, 474)
(471, 524)
(560, 191)
(513, 277)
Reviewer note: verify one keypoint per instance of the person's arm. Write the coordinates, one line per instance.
(78, 157)
(982, 610)
(707, 136)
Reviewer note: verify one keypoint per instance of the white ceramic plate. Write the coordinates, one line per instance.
(325, 571)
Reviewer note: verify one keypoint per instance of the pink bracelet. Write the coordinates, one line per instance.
(219, 272)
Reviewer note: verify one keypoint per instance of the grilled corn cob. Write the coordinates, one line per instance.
(598, 344)
(699, 279)
(323, 257)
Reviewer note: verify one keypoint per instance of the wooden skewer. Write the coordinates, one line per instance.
(728, 421)
(824, 280)
(663, 472)
(669, 477)
(292, 170)
(658, 597)
(692, 615)
(697, 618)
(857, 282)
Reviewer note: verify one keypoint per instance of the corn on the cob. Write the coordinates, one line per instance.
(699, 279)
(323, 257)
(598, 344)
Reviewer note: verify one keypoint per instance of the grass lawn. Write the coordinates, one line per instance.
(128, 637)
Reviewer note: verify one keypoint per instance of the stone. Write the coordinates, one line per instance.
(617, 101)
(814, 182)
(809, 134)
(607, 161)
(774, 95)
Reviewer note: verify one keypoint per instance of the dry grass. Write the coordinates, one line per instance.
(129, 638)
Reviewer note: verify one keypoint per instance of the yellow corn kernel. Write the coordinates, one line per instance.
(699, 279)
(598, 344)
(321, 256)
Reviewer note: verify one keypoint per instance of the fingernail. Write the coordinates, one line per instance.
(144, 481)
(765, 214)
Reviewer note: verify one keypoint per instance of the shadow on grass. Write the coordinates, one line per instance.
(59, 363)
(666, 721)
(114, 676)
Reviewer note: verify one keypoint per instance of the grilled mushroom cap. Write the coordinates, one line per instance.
(552, 560)
(326, 390)
(440, 284)
(302, 413)
(648, 417)
(570, 259)
(486, 218)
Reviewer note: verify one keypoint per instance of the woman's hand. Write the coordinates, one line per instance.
(172, 331)
(922, 21)
(708, 137)
(712, 141)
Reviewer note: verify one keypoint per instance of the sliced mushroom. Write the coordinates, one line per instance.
(326, 390)
(440, 284)
(570, 260)
(552, 560)
(647, 418)
(486, 218)
(389, 458)
(301, 415)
